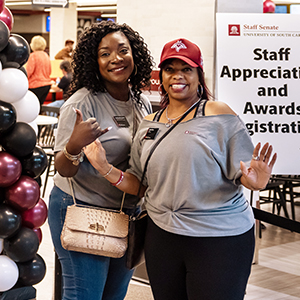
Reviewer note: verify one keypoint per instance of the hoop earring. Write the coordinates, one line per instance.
(160, 90)
(97, 76)
(198, 93)
(165, 98)
(135, 70)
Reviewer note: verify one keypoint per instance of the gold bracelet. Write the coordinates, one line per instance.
(76, 159)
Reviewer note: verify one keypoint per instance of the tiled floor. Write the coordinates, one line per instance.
(276, 276)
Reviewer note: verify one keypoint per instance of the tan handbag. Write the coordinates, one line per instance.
(95, 230)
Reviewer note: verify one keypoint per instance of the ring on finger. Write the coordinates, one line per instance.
(255, 157)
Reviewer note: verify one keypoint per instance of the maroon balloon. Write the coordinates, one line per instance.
(269, 6)
(7, 17)
(10, 169)
(36, 216)
(39, 233)
(2, 4)
(24, 194)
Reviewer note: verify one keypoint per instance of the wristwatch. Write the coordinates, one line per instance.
(76, 159)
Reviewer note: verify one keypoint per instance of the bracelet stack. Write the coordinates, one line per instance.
(76, 159)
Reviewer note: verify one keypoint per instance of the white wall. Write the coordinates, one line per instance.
(29, 23)
(63, 27)
(239, 6)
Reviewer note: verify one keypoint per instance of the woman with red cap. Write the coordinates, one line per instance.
(200, 235)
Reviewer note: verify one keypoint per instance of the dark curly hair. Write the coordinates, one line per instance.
(203, 89)
(85, 59)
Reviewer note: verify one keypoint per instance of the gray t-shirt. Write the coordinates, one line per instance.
(192, 176)
(89, 186)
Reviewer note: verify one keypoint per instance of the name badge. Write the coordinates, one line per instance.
(151, 134)
(121, 121)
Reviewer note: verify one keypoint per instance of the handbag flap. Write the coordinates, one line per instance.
(97, 221)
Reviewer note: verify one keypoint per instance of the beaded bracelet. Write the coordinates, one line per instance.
(111, 167)
(75, 159)
(120, 179)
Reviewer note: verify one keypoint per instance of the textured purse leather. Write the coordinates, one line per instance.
(95, 231)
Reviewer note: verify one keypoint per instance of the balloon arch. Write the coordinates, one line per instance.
(22, 162)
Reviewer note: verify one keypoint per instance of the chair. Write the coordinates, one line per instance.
(275, 195)
(46, 139)
(290, 187)
(272, 193)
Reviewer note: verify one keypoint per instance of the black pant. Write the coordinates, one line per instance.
(41, 92)
(198, 268)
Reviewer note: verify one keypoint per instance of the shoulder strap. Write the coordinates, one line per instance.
(158, 115)
(74, 199)
(158, 142)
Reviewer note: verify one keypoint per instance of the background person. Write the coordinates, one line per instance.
(63, 84)
(66, 52)
(38, 69)
(108, 76)
(200, 236)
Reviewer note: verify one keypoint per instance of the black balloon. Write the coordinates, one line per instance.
(8, 116)
(4, 35)
(22, 246)
(39, 181)
(16, 53)
(10, 221)
(23, 69)
(2, 195)
(32, 272)
(35, 164)
(20, 141)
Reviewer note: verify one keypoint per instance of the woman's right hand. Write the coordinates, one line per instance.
(84, 133)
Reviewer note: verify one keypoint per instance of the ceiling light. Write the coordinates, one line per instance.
(108, 15)
(96, 8)
(17, 3)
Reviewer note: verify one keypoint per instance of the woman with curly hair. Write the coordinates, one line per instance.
(111, 65)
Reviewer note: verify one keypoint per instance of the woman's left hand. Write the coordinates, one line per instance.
(97, 156)
(258, 174)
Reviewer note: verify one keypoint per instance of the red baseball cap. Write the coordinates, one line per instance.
(184, 50)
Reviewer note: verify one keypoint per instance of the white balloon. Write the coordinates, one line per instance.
(0, 67)
(34, 126)
(1, 245)
(28, 108)
(9, 273)
(13, 85)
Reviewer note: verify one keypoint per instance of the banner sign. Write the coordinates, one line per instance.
(258, 76)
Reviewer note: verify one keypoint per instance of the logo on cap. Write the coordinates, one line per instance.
(178, 46)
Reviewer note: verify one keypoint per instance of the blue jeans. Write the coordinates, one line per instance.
(85, 276)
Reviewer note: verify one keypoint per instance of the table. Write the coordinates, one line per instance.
(46, 120)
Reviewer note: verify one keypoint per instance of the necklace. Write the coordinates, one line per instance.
(170, 121)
